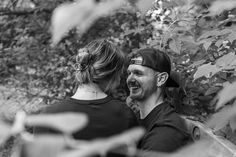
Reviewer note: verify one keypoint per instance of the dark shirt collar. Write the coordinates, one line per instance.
(155, 115)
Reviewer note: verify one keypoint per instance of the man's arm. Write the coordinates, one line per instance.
(163, 139)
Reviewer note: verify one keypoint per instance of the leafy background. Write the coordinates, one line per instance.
(198, 35)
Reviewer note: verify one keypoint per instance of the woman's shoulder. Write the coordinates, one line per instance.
(118, 103)
(57, 106)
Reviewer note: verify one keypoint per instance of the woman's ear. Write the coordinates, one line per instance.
(162, 78)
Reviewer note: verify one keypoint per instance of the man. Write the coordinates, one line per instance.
(148, 76)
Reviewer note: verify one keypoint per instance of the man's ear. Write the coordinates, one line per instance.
(162, 78)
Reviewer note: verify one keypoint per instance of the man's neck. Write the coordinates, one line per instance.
(149, 104)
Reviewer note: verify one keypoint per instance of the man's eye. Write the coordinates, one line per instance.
(138, 73)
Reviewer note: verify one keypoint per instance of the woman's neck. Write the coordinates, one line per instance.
(89, 91)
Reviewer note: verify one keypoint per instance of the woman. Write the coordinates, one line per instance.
(98, 69)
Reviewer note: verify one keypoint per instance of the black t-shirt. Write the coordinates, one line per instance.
(166, 130)
(107, 116)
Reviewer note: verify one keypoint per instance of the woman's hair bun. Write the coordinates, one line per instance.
(83, 59)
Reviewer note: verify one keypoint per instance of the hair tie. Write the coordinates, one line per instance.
(86, 60)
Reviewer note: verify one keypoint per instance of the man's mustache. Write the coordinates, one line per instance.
(133, 83)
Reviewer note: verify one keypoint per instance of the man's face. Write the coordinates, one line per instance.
(141, 81)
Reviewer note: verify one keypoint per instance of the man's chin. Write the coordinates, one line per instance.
(135, 96)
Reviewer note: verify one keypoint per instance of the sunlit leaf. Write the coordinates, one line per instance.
(65, 122)
(221, 118)
(207, 70)
(102, 146)
(226, 94)
(219, 6)
(226, 61)
(175, 45)
(144, 5)
(43, 146)
(206, 45)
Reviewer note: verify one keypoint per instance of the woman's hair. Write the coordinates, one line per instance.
(99, 61)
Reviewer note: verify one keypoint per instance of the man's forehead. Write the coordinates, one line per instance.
(133, 67)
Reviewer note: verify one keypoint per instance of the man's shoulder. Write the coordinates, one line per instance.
(169, 118)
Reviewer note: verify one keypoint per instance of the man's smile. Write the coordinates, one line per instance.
(133, 85)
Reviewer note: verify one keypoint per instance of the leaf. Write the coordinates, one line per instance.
(208, 34)
(102, 146)
(219, 42)
(221, 118)
(80, 14)
(226, 61)
(175, 45)
(197, 63)
(214, 33)
(133, 31)
(201, 148)
(207, 70)
(219, 6)
(144, 5)
(232, 36)
(18, 127)
(212, 90)
(197, 149)
(207, 44)
(43, 146)
(4, 132)
(226, 94)
(66, 122)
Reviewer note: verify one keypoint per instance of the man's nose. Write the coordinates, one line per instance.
(130, 77)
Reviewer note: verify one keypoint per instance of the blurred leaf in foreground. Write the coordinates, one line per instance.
(221, 118)
(4, 131)
(197, 149)
(66, 122)
(226, 94)
(144, 5)
(43, 146)
(219, 6)
(81, 14)
(102, 146)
